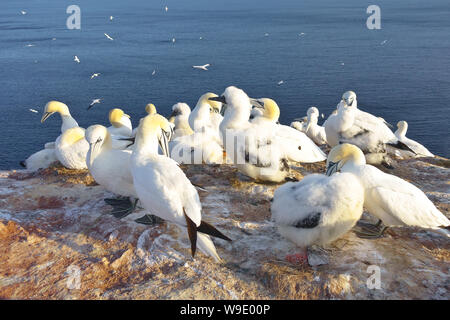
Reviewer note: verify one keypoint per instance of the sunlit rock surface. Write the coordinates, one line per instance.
(55, 221)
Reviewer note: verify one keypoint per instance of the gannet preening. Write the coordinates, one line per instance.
(313, 130)
(318, 209)
(94, 102)
(63, 110)
(203, 67)
(419, 150)
(253, 148)
(368, 132)
(394, 201)
(94, 75)
(295, 144)
(164, 188)
(71, 148)
(110, 168)
(180, 118)
(40, 160)
(108, 36)
(76, 59)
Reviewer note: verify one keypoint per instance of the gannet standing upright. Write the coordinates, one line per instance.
(313, 130)
(164, 188)
(394, 201)
(318, 209)
(418, 149)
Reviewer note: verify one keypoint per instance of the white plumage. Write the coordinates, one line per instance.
(391, 199)
(419, 150)
(71, 148)
(180, 118)
(318, 209)
(313, 130)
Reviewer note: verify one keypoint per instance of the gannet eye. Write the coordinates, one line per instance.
(99, 140)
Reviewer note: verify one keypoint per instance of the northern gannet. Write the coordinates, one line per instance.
(34, 111)
(108, 36)
(94, 102)
(253, 148)
(120, 128)
(94, 75)
(63, 110)
(40, 160)
(313, 130)
(203, 67)
(180, 118)
(71, 148)
(391, 199)
(110, 168)
(368, 132)
(164, 188)
(203, 116)
(419, 150)
(76, 59)
(300, 124)
(295, 144)
(318, 209)
(23, 12)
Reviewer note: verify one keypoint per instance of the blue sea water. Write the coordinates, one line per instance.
(406, 78)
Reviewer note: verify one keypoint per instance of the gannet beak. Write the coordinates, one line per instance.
(173, 115)
(163, 141)
(220, 99)
(45, 116)
(256, 103)
(332, 168)
(131, 139)
(95, 150)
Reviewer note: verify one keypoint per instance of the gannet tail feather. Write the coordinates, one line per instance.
(205, 227)
(400, 145)
(192, 233)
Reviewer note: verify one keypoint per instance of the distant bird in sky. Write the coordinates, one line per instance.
(204, 67)
(108, 36)
(30, 45)
(95, 75)
(53, 39)
(153, 73)
(201, 38)
(23, 12)
(32, 110)
(76, 59)
(173, 40)
(280, 82)
(166, 8)
(94, 102)
(111, 18)
(383, 42)
(342, 63)
(266, 34)
(302, 34)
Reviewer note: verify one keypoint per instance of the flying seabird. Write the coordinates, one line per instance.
(203, 67)
(94, 101)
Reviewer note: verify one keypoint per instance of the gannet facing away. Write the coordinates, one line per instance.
(313, 130)
(253, 148)
(120, 123)
(368, 132)
(71, 148)
(295, 144)
(318, 209)
(394, 201)
(63, 110)
(419, 150)
(180, 118)
(164, 188)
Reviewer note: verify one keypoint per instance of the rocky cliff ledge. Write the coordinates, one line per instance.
(54, 222)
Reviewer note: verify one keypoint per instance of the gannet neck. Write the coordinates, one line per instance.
(402, 129)
(149, 133)
(67, 122)
(146, 144)
(344, 155)
(150, 108)
(200, 116)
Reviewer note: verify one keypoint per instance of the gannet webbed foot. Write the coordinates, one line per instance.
(122, 207)
(149, 219)
(366, 230)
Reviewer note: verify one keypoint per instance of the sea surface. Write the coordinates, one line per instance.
(319, 49)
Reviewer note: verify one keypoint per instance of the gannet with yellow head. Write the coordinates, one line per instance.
(318, 209)
(201, 116)
(71, 148)
(150, 108)
(420, 150)
(391, 199)
(120, 123)
(295, 144)
(58, 107)
(253, 148)
(163, 187)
